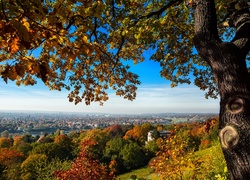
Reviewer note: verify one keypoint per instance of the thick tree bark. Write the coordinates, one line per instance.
(227, 60)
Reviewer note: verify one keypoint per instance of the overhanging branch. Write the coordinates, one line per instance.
(161, 10)
(241, 22)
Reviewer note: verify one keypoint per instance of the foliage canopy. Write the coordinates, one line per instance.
(83, 45)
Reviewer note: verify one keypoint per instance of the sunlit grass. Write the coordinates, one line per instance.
(145, 172)
(212, 158)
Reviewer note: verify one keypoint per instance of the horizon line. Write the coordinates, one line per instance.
(78, 112)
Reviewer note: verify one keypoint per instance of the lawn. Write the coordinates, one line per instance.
(213, 165)
(145, 173)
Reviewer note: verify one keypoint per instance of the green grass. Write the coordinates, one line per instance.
(214, 160)
(213, 163)
(144, 172)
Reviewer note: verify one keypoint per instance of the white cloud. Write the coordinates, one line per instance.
(155, 98)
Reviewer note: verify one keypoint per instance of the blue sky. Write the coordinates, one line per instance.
(154, 95)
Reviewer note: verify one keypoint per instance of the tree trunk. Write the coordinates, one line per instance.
(228, 63)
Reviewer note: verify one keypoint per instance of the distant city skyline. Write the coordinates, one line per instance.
(154, 95)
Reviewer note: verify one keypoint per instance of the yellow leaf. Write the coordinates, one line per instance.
(60, 40)
(85, 39)
(112, 81)
(26, 24)
(225, 24)
(33, 67)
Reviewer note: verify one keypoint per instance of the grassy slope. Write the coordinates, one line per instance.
(212, 158)
(144, 172)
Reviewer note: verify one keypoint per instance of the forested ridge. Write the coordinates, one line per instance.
(191, 151)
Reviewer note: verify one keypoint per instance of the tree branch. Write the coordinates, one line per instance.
(73, 18)
(94, 32)
(161, 10)
(205, 20)
(113, 8)
(120, 47)
(241, 21)
(206, 37)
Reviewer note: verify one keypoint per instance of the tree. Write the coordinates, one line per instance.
(29, 171)
(5, 134)
(151, 148)
(85, 166)
(114, 147)
(176, 160)
(172, 159)
(22, 146)
(64, 146)
(54, 150)
(48, 171)
(139, 133)
(99, 136)
(82, 45)
(5, 142)
(112, 153)
(132, 155)
(155, 134)
(27, 138)
(114, 130)
(227, 61)
(41, 168)
(10, 162)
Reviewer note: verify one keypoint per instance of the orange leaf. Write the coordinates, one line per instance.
(2, 24)
(15, 45)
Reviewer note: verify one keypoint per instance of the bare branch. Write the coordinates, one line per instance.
(120, 47)
(73, 18)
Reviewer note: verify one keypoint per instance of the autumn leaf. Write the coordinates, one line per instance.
(26, 24)
(12, 73)
(85, 39)
(71, 56)
(33, 67)
(23, 30)
(2, 24)
(43, 69)
(15, 45)
(85, 166)
(75, 37)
